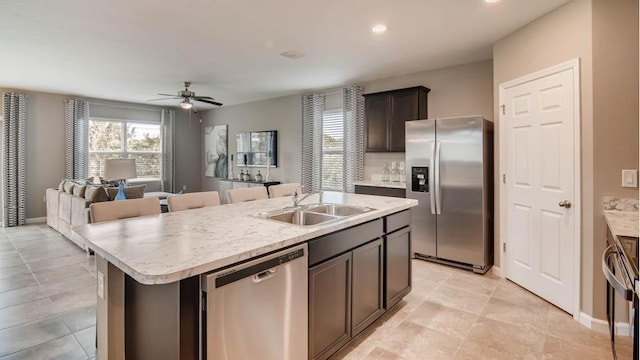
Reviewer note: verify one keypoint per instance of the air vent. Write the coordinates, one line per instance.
(290, 54)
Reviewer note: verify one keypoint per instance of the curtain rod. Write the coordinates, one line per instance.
(150, 109)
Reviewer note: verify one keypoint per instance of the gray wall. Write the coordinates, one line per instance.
(604, 36)
(458, 90)
(45, 160)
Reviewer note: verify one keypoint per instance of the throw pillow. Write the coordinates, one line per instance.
(79, 190)
(61, 185)
(96, 194)
(68, 187)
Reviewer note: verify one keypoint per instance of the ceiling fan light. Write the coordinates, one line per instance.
(186, 104)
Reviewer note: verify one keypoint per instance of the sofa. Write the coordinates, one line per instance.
(68, 205)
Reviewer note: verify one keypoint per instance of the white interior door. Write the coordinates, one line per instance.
(539, 119)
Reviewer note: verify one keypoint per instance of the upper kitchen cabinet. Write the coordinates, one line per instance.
(386, 113)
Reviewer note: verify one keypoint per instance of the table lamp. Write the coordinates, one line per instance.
(121, 170)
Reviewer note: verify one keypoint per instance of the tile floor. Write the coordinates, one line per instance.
(47, 311)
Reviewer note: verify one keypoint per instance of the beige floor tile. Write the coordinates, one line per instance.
(481, 284)
(20, 296)
(87, 339)
(557, 349)
(507, 290)
(455, 323)
(23, 313)
(472, 351)
(21, 337)
(49, 264)
(382, 354)
(517, 341)
(12, 271)
(78, 281)
(60, 273)
(66, 347)
(74, 299)
(563, 326)
(402, 337)
(459, 299)
(431, 344)
(534, 316)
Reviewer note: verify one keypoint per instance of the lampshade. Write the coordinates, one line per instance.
(118, 169)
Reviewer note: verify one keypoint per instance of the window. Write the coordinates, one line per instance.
(332, 150)
(113, 139)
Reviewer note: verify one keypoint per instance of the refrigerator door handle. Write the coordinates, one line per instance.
(431, 184)
(437, 178)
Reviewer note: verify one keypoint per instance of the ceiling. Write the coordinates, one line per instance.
(131, 50)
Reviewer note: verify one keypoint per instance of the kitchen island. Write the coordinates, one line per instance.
(149, 284)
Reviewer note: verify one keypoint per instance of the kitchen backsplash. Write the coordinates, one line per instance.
(373, 163)
(619, 204)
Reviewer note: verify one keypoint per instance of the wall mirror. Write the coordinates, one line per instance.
(255, 147)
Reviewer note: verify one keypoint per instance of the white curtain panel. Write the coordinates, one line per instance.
(168, 170)
(13, 152)
(353, 113)
(312, 110)
(76, 127)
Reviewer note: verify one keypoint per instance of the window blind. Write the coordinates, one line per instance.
(333, 150)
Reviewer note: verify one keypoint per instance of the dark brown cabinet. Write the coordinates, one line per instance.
(366, 289)
(398, 266)
(329, 306)
(385, 114)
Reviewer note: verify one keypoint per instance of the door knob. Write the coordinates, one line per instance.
(565, 204)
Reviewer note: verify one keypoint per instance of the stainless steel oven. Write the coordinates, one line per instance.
(619, 265)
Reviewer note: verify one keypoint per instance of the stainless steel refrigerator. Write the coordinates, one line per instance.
(449, 163)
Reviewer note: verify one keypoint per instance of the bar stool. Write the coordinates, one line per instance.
(116, 210)
(194, 200)
(247, 194)
(283, 189)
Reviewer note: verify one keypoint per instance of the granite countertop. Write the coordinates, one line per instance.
(169, 247)
(621, 215)
(622, 223)
(395, 185)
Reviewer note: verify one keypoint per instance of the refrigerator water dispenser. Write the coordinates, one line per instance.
(420, 179)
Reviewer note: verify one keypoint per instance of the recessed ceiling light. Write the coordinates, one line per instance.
(491, 1)
(379, 29)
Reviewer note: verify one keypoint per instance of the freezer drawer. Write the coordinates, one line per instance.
(258, 309)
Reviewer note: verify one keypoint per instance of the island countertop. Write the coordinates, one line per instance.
(164, 248)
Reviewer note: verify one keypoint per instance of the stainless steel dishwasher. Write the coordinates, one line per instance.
(258, 309)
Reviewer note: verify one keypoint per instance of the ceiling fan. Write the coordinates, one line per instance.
(188, 97)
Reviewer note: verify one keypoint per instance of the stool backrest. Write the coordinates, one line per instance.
(247, 194)
(194, 200)
(283, 189)
(123, 209)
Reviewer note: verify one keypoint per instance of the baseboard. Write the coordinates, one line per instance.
(622, 328)
(497, 271)
(38, 220)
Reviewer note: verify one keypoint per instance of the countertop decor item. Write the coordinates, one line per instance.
(385, 173)
(258, 176)
(231, 175)
(246, 176)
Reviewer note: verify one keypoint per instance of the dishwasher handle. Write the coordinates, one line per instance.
(265, 275)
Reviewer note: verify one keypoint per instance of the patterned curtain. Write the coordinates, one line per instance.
(353, 115)
(13, 174)
(168, 174)
(312, 109)
(76, 127)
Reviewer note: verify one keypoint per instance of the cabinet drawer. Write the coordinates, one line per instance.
(336, 243)
(397, 221)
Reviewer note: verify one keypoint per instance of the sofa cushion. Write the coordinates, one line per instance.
(79, 190)
(68, 187)
(131, 192)
(96, 194)
(61, 185)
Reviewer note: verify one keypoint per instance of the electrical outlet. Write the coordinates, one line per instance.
(630, 178)
(184, 187)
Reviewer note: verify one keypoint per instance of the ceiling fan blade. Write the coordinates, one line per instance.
(203, 97)
(167, 94)
(209, 102)
(171, 98)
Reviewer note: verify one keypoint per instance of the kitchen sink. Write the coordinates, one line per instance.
(338, 210)
(301, 217)
(314, 214)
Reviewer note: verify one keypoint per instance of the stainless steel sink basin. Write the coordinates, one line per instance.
(300, 217)
(338, 209)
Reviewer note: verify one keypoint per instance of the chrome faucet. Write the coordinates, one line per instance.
(297, 201)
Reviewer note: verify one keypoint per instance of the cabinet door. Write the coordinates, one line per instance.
(367, 303)
(377, 112)
(398, 266)
(404, 106)
(329, 306)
